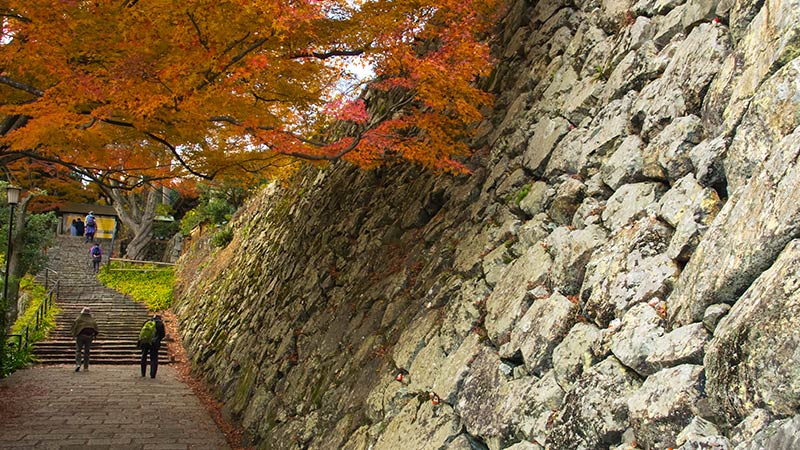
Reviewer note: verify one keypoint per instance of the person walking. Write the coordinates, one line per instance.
(84, 330)
(73, 228)
(150, 342)
(91, 227)
(96, 254)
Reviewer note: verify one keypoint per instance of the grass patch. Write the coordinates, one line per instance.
(149, 284)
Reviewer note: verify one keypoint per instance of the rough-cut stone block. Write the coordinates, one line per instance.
(771, 115)
(679, 90)
(714, 314)
(630, 268)
(576, 354)
(636, 338)
(421, 425)
(779, 434)
(595, 411)
(537, 199)
(571, 250)
(684, 345)
(696, 431)
(543, 327)
(770, 41)
(545, 135)
(752, 424)
(665, 404)
(632, 202)
(753, 360)
(667, 155)
(625, 165)
(744, 239)
(508, 301)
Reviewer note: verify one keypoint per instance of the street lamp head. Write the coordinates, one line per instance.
(12, 192)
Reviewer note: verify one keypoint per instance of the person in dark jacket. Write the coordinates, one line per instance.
(84, 330)
(79, 227)
(153, 348)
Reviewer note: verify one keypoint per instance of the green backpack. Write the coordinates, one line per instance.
(148, 333)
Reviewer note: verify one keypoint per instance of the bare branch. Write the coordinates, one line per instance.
(178, 156)
(203, 40)
(21, 86)
(326, 55)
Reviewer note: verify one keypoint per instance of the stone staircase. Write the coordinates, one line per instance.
(118, 317)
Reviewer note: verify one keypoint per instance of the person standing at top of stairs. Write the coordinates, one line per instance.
(91, 227)
(84, 329)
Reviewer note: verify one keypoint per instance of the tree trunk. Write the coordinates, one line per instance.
(137, 210)
(137, 247)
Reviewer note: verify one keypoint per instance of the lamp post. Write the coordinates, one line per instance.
(12, 194)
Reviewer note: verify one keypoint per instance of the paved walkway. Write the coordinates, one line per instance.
(52, 407)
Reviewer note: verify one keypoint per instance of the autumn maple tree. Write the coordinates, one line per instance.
(134, 94)
(238, 85)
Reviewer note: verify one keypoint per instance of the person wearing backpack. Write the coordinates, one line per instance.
(150, 337)
(91, 227)
(97, 256)
(84, 330)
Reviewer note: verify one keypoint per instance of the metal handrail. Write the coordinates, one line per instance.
(41, 313)
(47, 272)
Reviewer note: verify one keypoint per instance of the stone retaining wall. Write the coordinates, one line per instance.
(618, 268)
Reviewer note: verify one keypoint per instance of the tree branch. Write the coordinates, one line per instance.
(203, 41)
(14, 15)
(326, 55)
(21, 86)
(211, 76)
(178, 156)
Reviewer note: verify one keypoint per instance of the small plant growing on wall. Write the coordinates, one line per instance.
(523, 193)
(222, 237)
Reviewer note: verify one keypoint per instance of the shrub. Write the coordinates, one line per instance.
(222, 237)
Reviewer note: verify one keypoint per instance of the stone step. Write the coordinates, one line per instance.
(118, 317)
